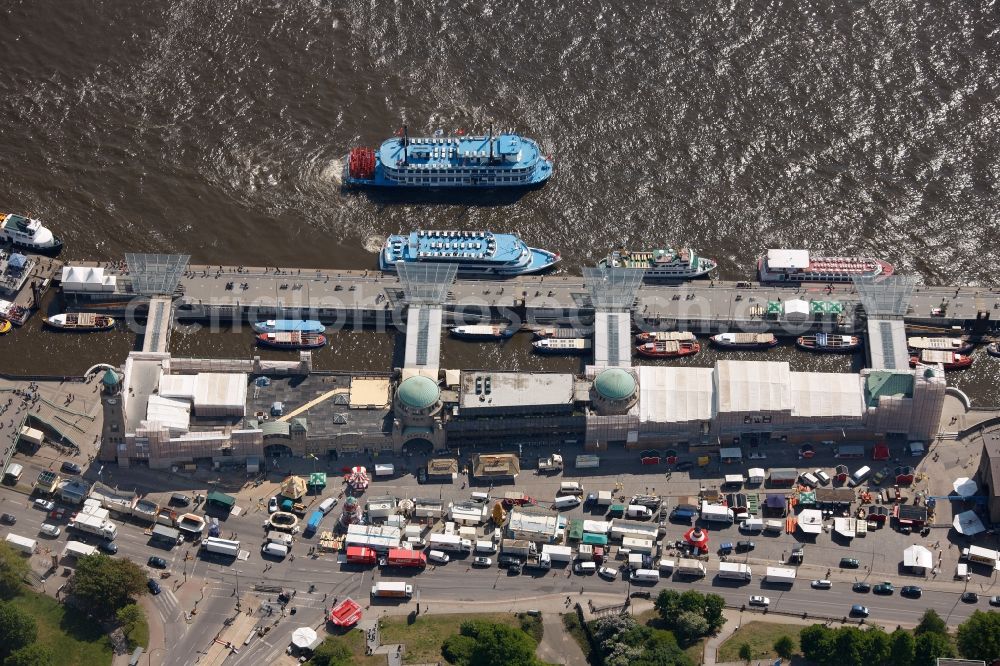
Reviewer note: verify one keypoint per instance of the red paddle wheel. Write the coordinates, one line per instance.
(362, 163)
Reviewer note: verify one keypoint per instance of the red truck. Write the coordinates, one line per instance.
(403, 557)
(361, 555)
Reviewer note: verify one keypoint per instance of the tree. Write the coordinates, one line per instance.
(714, 604)
(668, 604)
(105, 584)
(848, 648)
(875, 645)
(689, 627)
(500, 645)
(931, 622)
(901, 645)
(13, 569)
(128, 616)
(784, 646)
(35, 654)
(979, 636)
(17, 629)
(930, 647)
(816, 643)
(746, 653)
(457, 649)
(332, 652)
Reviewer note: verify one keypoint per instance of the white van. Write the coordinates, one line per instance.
(646, 575)
(570, 488)
(326, 506)
(752, 525)
(809, 479)
(274, 550)
(282, 538)
(859, 476)
(14, 471)
(566, 502)
(638, 511)
(823, 477)
(487, 547)
(438, 556)
(585, 568)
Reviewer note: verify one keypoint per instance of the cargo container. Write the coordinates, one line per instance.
(517, 547)
(450, 543)
(638, 545)
(225, 547)
(779, 575)
(716, 513)
(734, 571)
(558, 553)
(21, 544)
(76, 549)
(588, 461)
(361, 555)
(403, 557)
(570, 488)
(32, 435)
(392, 589)
(604, 497)
(688, 567)
(646, 575)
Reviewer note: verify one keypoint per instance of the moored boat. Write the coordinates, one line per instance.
(476, 253)
(285, 325)
(668, 349)
(5, 326)
(80, 321)
(562, 345)
(559, 332)
(482, 332)
(744, 340)
(662, 263)
(802, 266)
(948, 359)
(291, 340)
(958, 345)
(666, 336)
(28, 233)
(993, 349)
(829, 343)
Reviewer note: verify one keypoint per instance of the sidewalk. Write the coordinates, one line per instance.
(557, 646)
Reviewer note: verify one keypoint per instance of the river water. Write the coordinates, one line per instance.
(218, 128)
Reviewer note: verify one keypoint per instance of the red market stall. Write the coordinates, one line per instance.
(345, 614)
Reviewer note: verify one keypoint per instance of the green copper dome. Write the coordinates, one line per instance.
(615, 384)
(418, 392)
(110, 378)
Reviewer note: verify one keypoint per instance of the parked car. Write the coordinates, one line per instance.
(862, 587)
(109, 547)
(608, 572)
(995, 600)
(880, 475)
(859, 610)
(70, 467)
(157, 562)
(482, 562)
(180, 499)
(641, 594)
(970, 597)
(514, 569)
(757, 600)
(153, 586)
(272, 505)
(884, 587)
(438, 556)
(7, 518)
(745, 546)
(849, 563)
(57, 514)
(49, 530)
(822, 584)
(911, 591)
(508, 560)
(44, 504)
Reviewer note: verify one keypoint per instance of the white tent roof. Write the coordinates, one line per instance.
(756, 473)
(221, 390)
(174, 414)
(304, 638)
(968, 523)
(827, 394)
(846, 526)
(965, 486)
(811, 521)
(918, 556)
(797, 307)
(753, 386)
(675, 395)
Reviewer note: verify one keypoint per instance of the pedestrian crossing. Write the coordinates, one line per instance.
(168, 604)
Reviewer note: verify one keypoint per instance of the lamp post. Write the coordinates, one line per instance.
(238, 608)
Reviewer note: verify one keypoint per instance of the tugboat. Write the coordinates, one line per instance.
(81, 322)
(666, 336)
(291, 340)
(958, 345)
(562, 345)
(664, 263)
(299, 325)
(744, 340)
(502, 161)
(482, 332)
(948, 359)
(668, 349)
(476, 253)
(831, 344)
(28, 233)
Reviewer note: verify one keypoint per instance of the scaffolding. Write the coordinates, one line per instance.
(156, 274)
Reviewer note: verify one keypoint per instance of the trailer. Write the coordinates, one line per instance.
(403, 557)
(76, 549)
(779, 575)
(218, 546)
(379, 542)
(361, 555)
(450, 543)
(646, 546)
(558, 553)
(517, 547)
(554, 463)
(21, 544)
(981, 555)
(392, 589)
(92, 524)
(716, 513)
(773, 526)
(734, 571)
(588, 461)
(689, 567)
(540, 561)
(167, 535)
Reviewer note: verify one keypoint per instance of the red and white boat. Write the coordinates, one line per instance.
(666, 336)
(949, 359)
(793, 266)
(668, 349)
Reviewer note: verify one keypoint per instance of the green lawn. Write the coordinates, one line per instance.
(77, 640)
(355, 642)
(761, 637)
(140, 633)
(423, 638)
(695, 651)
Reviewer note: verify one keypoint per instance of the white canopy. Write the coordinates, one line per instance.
(965, 486)
(918, 556)
(756, 474)
(968, 523)
(304, 638)
(797, 308)
(811, 521)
